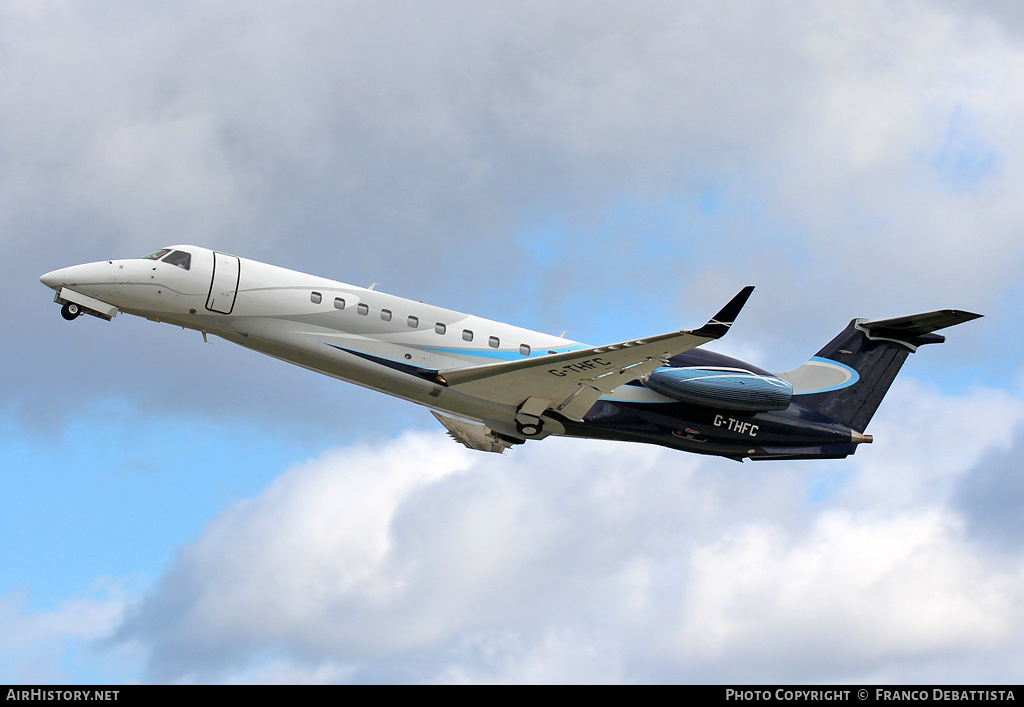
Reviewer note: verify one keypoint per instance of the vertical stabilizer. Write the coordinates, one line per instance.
(848, 378)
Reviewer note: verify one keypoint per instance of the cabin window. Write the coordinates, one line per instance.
(440, 328)
(385, 314)
(315, 297)
(467, 335)
(524, 349)
(339, 303)
(363, 308)
(413, 322)
(180, 258)
(493, 342)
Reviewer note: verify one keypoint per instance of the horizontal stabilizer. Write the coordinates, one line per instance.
(916, 330)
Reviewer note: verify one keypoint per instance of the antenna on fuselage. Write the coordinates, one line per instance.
(373, 285)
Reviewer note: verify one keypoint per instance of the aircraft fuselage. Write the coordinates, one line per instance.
(406, 348)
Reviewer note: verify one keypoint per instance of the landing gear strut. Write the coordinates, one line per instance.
(70, 311)
(528, 422)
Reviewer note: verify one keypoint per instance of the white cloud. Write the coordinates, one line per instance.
(861, 158)
(34, 642)
(361, 141)
(875, 589)
(310, 552)
(926, 442)
(917, 103)
(827, 107)
(585, 561)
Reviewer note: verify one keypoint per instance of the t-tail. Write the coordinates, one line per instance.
(848, 378)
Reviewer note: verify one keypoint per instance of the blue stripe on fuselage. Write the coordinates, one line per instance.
(496, 354)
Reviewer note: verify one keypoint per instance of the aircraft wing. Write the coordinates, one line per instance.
(570, 383)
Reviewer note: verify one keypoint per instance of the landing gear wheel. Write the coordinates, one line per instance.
(530, 429)
(70, 311)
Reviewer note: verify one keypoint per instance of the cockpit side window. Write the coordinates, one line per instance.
(180, 258)
(157, 254)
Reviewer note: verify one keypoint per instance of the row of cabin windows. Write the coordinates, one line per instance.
(414, 322)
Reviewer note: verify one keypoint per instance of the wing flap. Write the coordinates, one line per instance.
(474, 435)
(579, 402)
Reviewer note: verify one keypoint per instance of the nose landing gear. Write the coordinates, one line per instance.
(81, 304)
(70, 310)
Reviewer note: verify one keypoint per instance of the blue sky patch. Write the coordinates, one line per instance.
(964, 157)
(116, 492)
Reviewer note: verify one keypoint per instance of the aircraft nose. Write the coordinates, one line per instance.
(53, 279)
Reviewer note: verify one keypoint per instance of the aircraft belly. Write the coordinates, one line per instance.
(777, 434)
(322, 350)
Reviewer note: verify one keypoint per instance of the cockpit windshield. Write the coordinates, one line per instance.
(180, 258)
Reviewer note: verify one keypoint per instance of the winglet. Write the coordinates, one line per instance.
(720, 323)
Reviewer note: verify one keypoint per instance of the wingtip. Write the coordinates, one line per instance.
(965, 316)
(720, 323)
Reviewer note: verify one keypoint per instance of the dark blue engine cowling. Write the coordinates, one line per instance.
(724, 388)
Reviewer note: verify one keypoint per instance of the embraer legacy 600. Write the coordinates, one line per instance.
(494, 385)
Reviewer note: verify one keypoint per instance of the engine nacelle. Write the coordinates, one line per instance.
(723, 388)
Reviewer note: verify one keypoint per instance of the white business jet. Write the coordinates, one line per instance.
(494, 385)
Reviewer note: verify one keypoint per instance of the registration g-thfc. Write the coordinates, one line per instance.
(494, 385)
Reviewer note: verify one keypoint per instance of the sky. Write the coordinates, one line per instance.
(183, 512)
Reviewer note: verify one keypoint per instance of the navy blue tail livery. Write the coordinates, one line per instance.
(818, 411)
(494, 385)
(874, 352)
